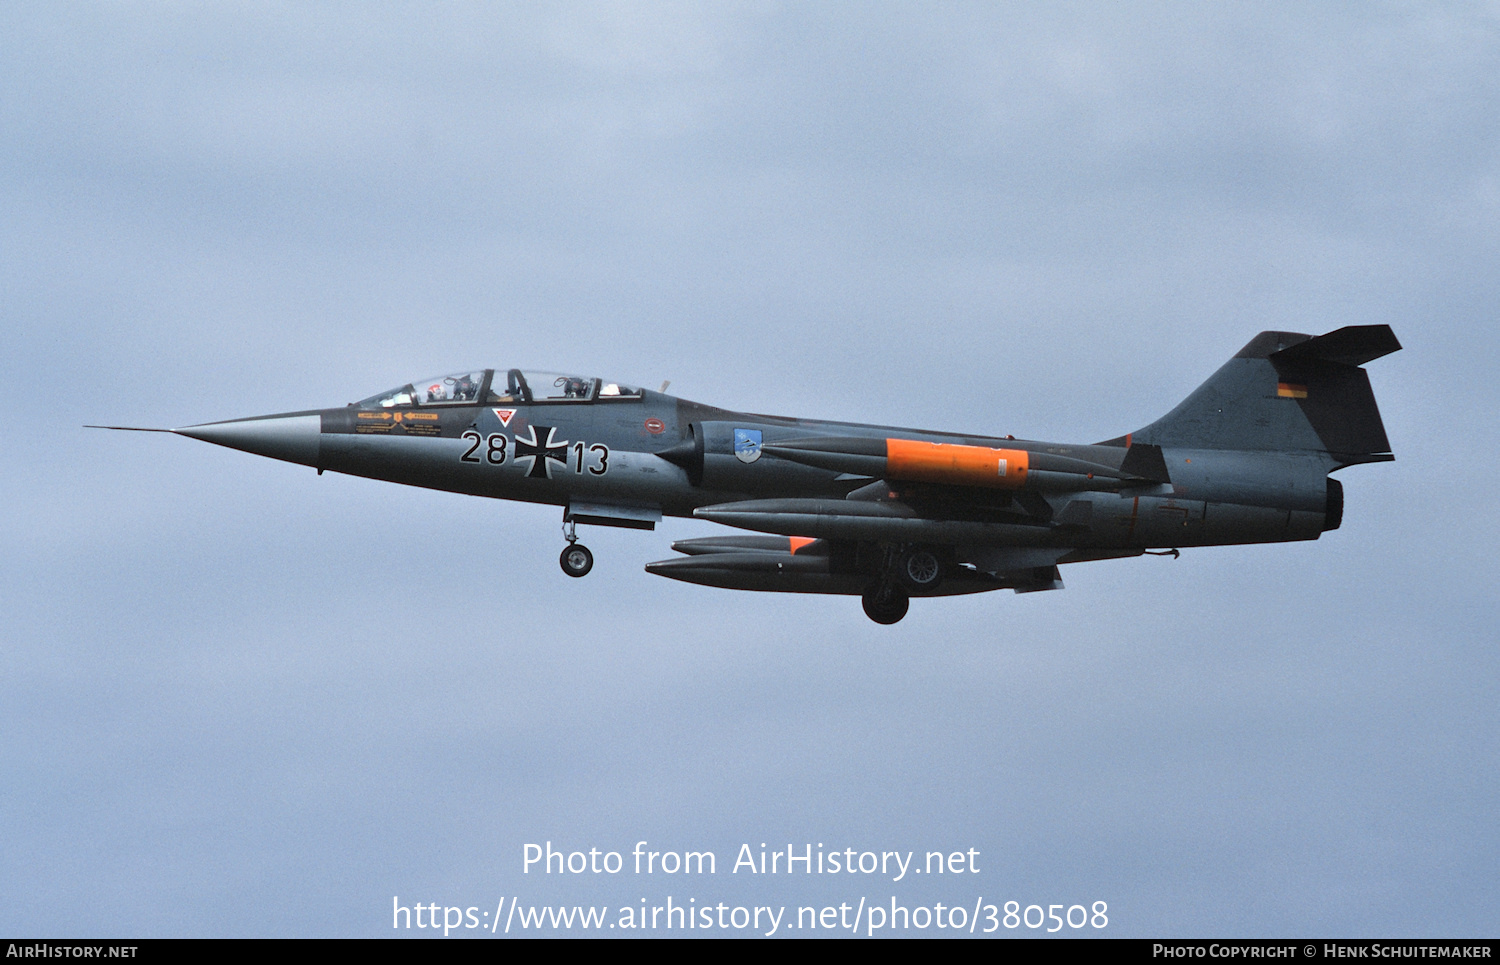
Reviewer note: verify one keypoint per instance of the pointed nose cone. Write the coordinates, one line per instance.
(294, 438)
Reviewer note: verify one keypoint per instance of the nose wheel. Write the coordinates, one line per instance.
(576, 560)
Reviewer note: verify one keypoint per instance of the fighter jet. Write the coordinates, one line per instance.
(878, 512)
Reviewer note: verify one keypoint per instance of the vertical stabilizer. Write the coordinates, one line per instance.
(1286, 391)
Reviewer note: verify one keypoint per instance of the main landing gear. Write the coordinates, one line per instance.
(907, 570)
(576, 560)
(919, 569)
(886, 603)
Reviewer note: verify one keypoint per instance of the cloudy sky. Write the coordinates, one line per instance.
(237, 698)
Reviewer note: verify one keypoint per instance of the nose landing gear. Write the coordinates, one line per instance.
(576, 560)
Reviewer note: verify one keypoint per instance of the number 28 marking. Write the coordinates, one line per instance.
(494, 448)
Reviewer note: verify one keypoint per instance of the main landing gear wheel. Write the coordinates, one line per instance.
(920, 570)
(885, 604)
(576, 560)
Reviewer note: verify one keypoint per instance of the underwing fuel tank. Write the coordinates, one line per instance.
(790, 565)
(844, 519)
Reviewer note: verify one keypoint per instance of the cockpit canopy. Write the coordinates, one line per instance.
(493, 386)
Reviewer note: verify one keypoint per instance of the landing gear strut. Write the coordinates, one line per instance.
(576, 560)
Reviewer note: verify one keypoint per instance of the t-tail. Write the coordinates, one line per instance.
(1286, 392)
(1269, 426)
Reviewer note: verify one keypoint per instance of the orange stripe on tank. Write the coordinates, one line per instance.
(799, 541)
(956, 465)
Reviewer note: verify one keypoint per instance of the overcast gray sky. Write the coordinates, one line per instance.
(237, 698)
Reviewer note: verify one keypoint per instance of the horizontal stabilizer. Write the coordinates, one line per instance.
(1351, 345)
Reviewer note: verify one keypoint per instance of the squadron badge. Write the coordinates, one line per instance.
(747, 444)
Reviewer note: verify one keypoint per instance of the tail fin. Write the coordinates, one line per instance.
(1286, 391)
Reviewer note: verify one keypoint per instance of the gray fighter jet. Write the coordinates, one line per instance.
(872, 511)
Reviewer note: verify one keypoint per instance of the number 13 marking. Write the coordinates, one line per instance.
(599, 449)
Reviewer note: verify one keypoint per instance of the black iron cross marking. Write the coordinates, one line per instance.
(540, 452)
